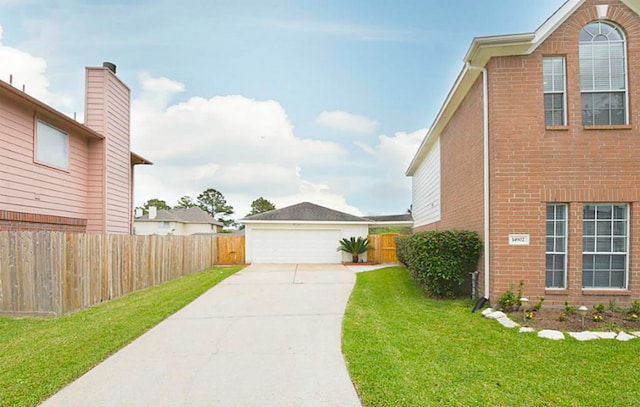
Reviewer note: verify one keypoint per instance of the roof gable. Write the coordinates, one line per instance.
(305, 211)
(482, 49)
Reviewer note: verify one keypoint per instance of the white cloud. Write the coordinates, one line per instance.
(243, 147)
(30, 71)
(396, 151)
(345, 121)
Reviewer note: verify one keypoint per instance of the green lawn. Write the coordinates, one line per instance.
(39, 356)
(404, 349)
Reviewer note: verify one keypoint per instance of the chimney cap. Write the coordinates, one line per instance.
(110, 66)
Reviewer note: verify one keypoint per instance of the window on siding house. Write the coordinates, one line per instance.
(605, 246)
(165, 225)
(553, 71)
(603, 74)
(52, 145)
(556, 252)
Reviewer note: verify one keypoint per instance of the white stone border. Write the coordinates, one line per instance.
(505, 321)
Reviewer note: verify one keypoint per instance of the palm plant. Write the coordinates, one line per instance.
(355, 246)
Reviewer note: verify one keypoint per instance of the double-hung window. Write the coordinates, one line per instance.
(52, 145)
(553, 71)
(556, 253)
(605, 243)
(603, 74)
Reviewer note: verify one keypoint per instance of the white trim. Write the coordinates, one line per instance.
(303, 222)
(482, 49)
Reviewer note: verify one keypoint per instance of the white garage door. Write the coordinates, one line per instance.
(295, 246)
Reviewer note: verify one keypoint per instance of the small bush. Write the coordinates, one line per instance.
(441, 260)
(403, 243)
(570, 309)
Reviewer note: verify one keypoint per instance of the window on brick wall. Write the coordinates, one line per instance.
(52, 145)
(603, 74)
(553, 71)
(556, 257)
(605, 245)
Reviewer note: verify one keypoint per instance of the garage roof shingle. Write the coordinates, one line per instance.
(306, 211)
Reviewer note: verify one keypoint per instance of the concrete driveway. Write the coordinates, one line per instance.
(270, 335)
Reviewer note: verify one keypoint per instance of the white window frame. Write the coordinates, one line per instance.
(612, 252)
(43, 130)
(555, 236)
(556, 92)
(625, 92)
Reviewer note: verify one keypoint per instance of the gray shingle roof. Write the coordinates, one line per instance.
(306, 211)
(405, 217)
(187, 215)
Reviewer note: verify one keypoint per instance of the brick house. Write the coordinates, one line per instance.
(536, 148)
(61, 175)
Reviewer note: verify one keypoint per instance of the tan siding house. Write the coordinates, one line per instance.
(58, 174)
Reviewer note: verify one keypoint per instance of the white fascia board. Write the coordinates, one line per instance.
(482, 49)
(633, 5)
(560, 16)
(436, 128)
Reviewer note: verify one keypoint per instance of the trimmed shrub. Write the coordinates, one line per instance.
(440, 260)
(402, 249)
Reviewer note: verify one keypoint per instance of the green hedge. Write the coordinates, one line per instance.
(440, 260)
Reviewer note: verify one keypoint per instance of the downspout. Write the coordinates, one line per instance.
(485, 103)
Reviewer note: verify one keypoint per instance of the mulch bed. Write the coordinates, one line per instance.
(558, 319)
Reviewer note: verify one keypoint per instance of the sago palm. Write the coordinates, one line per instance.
(355, 246)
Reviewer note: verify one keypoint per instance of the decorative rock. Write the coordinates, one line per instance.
(487, 311)
(551, 334)
(496, 315)
(526, 329)
(605, 335)
(583, 336)
(623, 336)
(506, 322)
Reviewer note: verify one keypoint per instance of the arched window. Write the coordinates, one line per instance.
(603, 74)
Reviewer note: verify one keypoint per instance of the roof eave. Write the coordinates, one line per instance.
(305, 222)
(137, 159)
(480, 52)
(392, 223)
(40, 106)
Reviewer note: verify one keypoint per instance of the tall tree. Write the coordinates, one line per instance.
(261, 205)
(214, 203)
(158, 203)
(185, 202)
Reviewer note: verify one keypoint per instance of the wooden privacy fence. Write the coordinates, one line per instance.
(384, 248)
(53, 273)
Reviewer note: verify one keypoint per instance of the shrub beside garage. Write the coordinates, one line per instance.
(441, 260)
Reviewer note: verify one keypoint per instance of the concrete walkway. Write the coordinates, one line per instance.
(269, 335)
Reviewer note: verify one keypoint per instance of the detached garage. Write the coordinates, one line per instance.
(302, 233)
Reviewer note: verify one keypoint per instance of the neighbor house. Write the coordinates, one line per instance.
(58, 174)
(536, 148)
(307, 233)
(182, 222)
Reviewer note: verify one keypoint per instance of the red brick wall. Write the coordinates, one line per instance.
(461, 157)
(532, 165)
(18, 221)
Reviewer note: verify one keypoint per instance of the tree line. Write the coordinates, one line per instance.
(213, 202)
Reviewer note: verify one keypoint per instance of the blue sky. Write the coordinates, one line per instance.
(323, 101)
